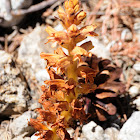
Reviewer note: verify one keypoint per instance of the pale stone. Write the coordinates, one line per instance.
(137, 102)
(92, 131)
(31, 47)
(20, 125)
(131, 128)
(34, 137)
(134, 91)
(136, 67)
(111, 134)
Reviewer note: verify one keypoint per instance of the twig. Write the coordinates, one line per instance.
(33, 8)
(2, 39)
(8, 6)
(107, 16)
(92, 18)
(6, 43)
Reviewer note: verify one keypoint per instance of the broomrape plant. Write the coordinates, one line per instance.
(76, 91)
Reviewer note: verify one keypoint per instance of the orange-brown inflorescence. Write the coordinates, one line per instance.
(78, 73)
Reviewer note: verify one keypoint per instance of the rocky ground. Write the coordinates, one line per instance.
(22, 72)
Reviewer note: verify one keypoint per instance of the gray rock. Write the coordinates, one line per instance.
(13, 96)
(131, 129)
(134, 91)
(136, 67)
(111, 134)
(92, 131)
(34, 104)
(5, 12)
(20, 126)
(42, 75)
(31, 47)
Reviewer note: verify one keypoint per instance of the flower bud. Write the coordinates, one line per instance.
(80, 16)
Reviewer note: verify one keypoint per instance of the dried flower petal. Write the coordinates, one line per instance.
(48, 116)
(79, 17)
(51, 58)
(52, 74)
(62, 106)
(86, 88)
(63, 134)
(78, 50)
(78, 111)
(100, 115)
(46, 135)
(37, 125)
(110, 108)
(87, 46)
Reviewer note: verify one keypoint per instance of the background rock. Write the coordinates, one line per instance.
(13, 90)
(20, 125)
(31, 47)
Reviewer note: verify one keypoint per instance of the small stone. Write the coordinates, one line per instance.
(134, 91)
(34, 137)
(42, 75)
(136, 78)
(92, 131)
(136, 67)
(20, 125)
(137, 103)
(131, 128)
(70, 131)
(126, 35)
(6, 58)
(129, 36)
(111, 134)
